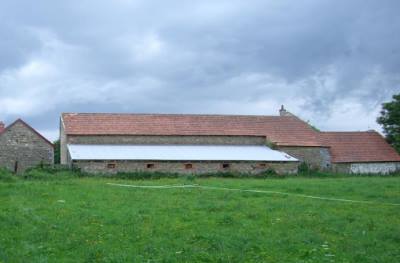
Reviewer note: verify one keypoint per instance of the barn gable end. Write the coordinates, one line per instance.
(22, 147)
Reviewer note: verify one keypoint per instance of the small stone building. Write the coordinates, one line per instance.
(109, 143)
(22, 147)
(361, 153)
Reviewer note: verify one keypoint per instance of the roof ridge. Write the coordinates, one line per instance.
(172, 114)
(368, 131)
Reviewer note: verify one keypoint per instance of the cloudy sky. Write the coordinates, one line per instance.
(330, 62)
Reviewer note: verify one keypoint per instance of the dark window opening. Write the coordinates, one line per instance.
(111, 165)
(262, 165)
(150, 165)
(188, 166)
(226, 166)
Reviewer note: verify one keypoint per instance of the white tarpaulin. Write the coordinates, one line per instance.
(177, 153)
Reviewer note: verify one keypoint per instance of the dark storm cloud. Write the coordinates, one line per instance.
(328, 61)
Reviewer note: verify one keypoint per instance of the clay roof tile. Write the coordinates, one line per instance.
(283, 130)
(367, 146)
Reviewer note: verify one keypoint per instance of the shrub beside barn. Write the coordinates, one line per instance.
(22, 147)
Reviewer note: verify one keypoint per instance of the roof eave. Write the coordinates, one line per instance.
(364, 161)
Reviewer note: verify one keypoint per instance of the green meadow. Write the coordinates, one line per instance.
(66, 218)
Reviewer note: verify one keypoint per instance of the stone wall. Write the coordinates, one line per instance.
(146, 139)
(343, 168)
(317, 157)
(22, 148)
(151, 139)
(366, 168)
(180, 167)
(63, 145)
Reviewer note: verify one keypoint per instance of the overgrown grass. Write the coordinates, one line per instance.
(6, 176)
(50, 173)
(82, 219)
(61, 172)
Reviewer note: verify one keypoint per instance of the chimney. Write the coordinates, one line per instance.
(284, 112)
(2, 126)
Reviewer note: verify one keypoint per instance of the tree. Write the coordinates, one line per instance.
(56, 151)
(390, 120)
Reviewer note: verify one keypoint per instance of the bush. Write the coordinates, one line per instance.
(7, 176)
(304, 168)
(271, 145)
(270, 173)
(37, 174)
(57, 168)
(50, 172)
(57, 151)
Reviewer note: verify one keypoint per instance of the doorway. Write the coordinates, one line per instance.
(16, 167)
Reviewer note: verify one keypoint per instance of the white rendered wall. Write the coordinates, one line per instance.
(374, 168)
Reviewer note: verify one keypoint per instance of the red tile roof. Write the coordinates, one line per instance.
(347, 147)
(282, 130)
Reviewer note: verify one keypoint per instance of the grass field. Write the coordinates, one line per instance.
(86, 220)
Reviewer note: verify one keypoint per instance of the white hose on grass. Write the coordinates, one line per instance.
(252, 191)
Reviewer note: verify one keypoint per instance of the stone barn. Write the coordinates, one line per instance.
(185, 143)
(361, 153)
(181, 143)
(22, 147)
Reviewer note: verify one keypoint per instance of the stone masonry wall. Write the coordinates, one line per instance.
(63, 145)
(317, 157)
(179, 167)
(366, 168)
(143, 139)
(150, 139)
(22, 148)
